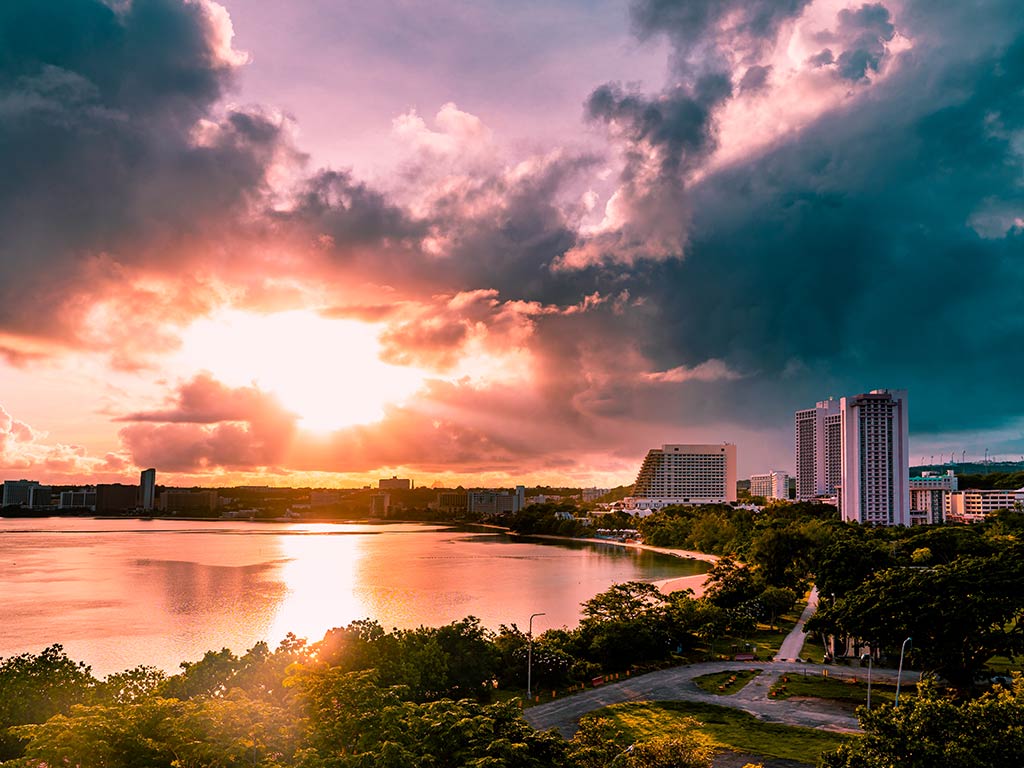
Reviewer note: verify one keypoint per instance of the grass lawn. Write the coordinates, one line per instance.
(1004, 665)
(836, 689)
(813, 650)
(726, 683)
(728, 728)
(764, 641)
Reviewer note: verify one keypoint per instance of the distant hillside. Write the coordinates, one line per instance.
(970, 467)
(1002, 475)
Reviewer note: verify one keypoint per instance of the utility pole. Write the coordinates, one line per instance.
(529, 656)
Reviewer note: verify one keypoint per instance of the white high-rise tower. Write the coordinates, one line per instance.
(875, 458)
(818, 450)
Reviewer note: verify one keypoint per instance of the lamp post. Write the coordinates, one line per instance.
(529, 656)
(899, 672)
(868, 657)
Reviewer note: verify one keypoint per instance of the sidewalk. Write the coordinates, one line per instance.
(793, 644)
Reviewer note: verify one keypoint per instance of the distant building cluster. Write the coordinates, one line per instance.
(27, 493)
(852, 452)
(105, 498)
(485, 503)
(110, 498)
(972, 506)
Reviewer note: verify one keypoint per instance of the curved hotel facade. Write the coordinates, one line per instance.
(684, 474)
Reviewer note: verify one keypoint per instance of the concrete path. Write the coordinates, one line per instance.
(676, 684)
(791, 647)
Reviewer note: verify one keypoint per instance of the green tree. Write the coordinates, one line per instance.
(130, 685)
(624, 602)
(355, 724)
(781, 555)
(35, 687)
(959, 614)
(932, 730)
(730, 584)
(625, 625)
(849, 562)
(210, 732)
(599, 743)
(776, 601)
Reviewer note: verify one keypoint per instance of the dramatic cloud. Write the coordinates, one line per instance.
(209, 425)
(712, 33)
(117, 161)
(820, 198)
(853, 251)
(861, 35)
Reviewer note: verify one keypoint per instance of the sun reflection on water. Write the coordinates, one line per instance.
(320, 577)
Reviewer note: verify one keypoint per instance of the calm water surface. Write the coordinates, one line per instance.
(117, 593)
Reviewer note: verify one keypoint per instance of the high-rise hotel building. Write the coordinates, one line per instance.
(685, 474)
(818, 450)
(875, 458)
(857, 449)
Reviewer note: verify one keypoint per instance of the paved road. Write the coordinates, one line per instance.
(794, 642)
(677, 684)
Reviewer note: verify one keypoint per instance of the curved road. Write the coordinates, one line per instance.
(676, 684)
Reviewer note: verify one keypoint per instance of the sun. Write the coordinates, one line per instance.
(327, 371)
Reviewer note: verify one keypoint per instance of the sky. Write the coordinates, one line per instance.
(318, 243)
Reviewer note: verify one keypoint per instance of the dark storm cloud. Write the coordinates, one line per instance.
(754, 79)
(700, 29)
(98, 109)
(865, 32)
(880, 248)
(674, 131)
(352, 215)
(678, 121)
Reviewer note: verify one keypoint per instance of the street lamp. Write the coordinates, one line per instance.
(529, 655)
(868, 657)
(899, 672)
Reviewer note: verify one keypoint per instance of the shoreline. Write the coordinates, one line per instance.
(695, 582)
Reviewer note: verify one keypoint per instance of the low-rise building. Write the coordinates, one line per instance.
(490, 503)
(929, 496)
(115, 497)
(771, 485)
(972, 506)
(592, 494)
(452, 502)
(80, 498)
(26, 493)
(198, 502)
(395, 483)
(380, 503)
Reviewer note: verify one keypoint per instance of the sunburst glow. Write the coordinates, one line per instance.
(327, 371)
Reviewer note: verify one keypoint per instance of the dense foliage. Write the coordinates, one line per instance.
(934, 729)
(360, 697)
(956, 591)
(1004, 481)
(363, 697)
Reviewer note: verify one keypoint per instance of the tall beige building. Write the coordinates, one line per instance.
(685, 474)
(818, 450)
(875, 458)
